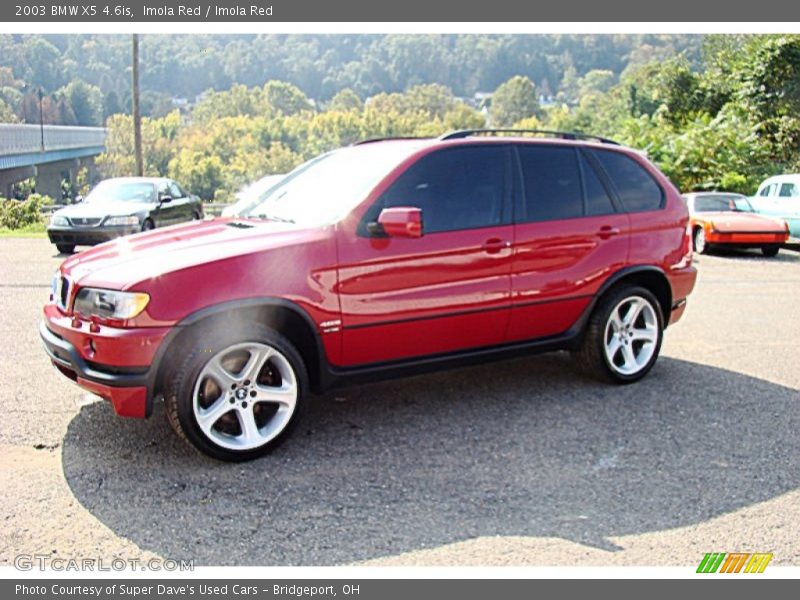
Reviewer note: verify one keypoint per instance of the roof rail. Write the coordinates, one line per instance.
(564, 135)
(385, 139)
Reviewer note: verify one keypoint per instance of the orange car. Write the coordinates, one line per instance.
(723, 219)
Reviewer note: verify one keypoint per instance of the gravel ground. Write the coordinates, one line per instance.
(524, 462)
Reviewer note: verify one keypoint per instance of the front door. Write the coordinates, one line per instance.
(444, 291)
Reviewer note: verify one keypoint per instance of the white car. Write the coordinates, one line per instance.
(779, 196)
(249, 196)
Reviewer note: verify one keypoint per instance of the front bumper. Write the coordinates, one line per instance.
(77, 353)
(88, 236)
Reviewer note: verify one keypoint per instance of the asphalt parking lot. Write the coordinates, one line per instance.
(524, 462)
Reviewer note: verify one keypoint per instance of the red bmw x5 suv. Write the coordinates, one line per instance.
(383, 258)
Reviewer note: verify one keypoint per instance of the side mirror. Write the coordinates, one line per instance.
(401, 221)
(165, 199)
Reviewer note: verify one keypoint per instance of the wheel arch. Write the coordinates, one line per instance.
(649, 277)
(286, 317)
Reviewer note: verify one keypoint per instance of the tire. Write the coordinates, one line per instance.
(699, 241)
(65, 248)
(226, 367)
(618, 351)
(148, 225)
(771, 250)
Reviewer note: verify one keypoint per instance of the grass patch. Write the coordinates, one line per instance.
(37, 230)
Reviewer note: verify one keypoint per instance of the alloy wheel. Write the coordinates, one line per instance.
(245, 396)
(631, 335)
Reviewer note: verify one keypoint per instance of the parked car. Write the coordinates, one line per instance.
(251, 195)
(380, 259)
(121, 206)
(779, 196)
(722, 219)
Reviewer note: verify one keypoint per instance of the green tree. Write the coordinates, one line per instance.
(432, 99)
(86, 102)
(596, 81)
(7, 115)
(284, 98)
(111, 105)
(513, 101)
(346, 100)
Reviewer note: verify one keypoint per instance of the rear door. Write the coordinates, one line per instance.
(653, 237)
(570, 234)
(447, 290)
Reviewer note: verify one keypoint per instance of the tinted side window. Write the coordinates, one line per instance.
(597, 200)
(456, 188)
(552, 181)
(636, 188)
(788, 190)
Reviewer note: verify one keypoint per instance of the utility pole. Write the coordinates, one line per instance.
(137, 117)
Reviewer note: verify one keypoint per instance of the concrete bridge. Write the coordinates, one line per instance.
(50, 154)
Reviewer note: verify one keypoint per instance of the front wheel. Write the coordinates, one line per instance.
(148, 225)
(770, 250)
(65, 248)
(237, 397)
(623, 337)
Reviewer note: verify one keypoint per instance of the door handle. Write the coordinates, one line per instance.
(607, 231)
(495, 245)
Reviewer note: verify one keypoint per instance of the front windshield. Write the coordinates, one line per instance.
(722, 203)
(326, 188)
(122, 191)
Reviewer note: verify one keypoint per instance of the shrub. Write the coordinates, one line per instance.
(15, 214)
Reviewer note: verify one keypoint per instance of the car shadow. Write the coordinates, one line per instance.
(520, 448)
(751, 254)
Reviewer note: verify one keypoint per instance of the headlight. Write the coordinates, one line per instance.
(110, 304)
(131, 220)
(56, 221)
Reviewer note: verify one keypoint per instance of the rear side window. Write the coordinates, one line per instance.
(176, 190)
(552, 183)
(456, 188)
(788, 190)
(637, 189)
(597, 200)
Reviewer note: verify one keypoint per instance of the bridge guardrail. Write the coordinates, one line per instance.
(25, 139)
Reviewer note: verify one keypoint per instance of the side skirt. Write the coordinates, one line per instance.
(337, 377)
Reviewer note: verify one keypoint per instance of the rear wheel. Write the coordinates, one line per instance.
(771, 250)
(699, 241)
(623, 336)
(65, 248)
(238, 395)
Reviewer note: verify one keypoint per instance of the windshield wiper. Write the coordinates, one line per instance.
(273, 218)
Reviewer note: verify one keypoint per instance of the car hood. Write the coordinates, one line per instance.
(741, 222)
(103, 209)
(126, 261)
